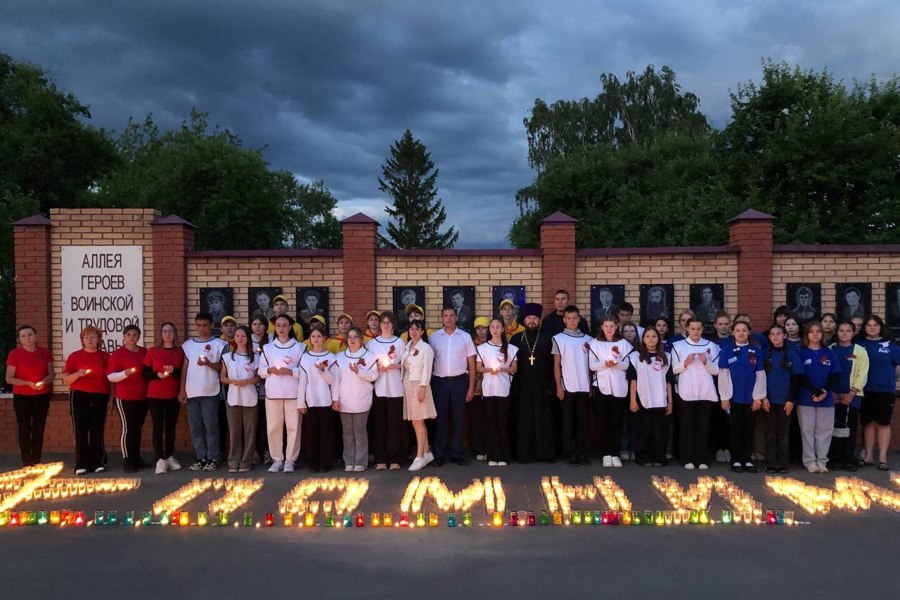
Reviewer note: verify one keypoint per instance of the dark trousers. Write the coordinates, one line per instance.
(719, 424)
(693, 425)
(450, 402)
(388, 431)
(133, 413)
(88, 422)
(319, 423)
(609, 416)
(650, 428)
(31, 416)
(743, 420)
(843, 450)
(164, 414)
(475, 412)
(262, 433)
(778, 426)
(496, 420)
(575, 424)
(223, 426)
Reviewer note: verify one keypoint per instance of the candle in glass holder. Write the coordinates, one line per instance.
(513, 519)
(557, 517)
(387, 519)
(309, 519)
(347, 520)
(269, 519)
(530, 519)
(497, 519)
(433, 520)
(99, 517)
(248, 519)
(43, 518)
(360, 520)
(375, 520)
(726, 516)
(404, 519)
(202, 519)
(184, 519)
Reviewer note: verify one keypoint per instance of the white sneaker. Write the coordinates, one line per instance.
(277, 466)
(624, 455)
(616, 462)
(427, 458)
(417, 464)
(288, 466)
(720, 456)
(348, 468)
(607, 461)
(100, 469)
(359, 468)
(703, 467)
(823, 468)
(80, 471)
(173, 464)
(492, 463)
(689, 466)
(481, 457)
(161, 466)
(813, 468)
(501, 463)
(727, 455)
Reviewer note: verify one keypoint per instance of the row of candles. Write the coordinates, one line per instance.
(297, 501)
(560, 496)
(491, 491)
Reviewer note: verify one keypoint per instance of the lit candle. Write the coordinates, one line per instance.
(202, 519)
(184, 519)
(375, 520)
(433, 520)
(309, 519)
(269, 519)
(360, 520)
(387, 520)
(530, 519)
(451, 520)
(248, 519)
(420, 520)
(497, 519)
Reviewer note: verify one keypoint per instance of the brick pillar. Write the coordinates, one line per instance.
(32, 263)
(751, 232)
(173, 237)
(558, 257)
(360, 240)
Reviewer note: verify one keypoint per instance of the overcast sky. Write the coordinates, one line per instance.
(328, 85)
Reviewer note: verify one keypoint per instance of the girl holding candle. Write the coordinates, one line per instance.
(878, 402)
(608, 359)
(259, 327)
(742, 387)
(387, 407)
(418, 402)
(239, 373)
(162, 368)
(126, 371)
(85, 374)
(695, 360)
(279, 366)
(848, 393)
(29, 370)
(356, 370)
(496, 361)
(651, 399)
(783, 370)
(315, 399)
(815, 402)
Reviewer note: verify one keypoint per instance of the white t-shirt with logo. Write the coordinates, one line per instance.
(573, 348)
(200, 381)
(491, 356)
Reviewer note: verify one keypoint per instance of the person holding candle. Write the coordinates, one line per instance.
(29, 370)
(742, 388)
(418, 402)
(259, 326)
(608, 359)
(240, 367)
(387, 406)
(162, 369)
(878, 403)
(783, 369)
(201, 391)
(815, 400)
(279, 366)
(695, 361)
(85, 374)
(316, 400)
(572, 375)
(357, 369)
(126, 371)
(650, 390)
(496, 361)
(854, 361)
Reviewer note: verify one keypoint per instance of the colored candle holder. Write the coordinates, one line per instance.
(726, 516)
(557, 517)
(347, 520)
(530, 519)
(375, 520)
(497, 519)
(779, 516)
(598, 517)
(694, 518)
(545, 518)
(576, 517)
(648, 518)
(513, 519)
(112, 517)
(360, 520)
(248, 519)
(164, 518)
(329, 520)
(309, 519)
(146, 518)
(184, 519)
(80, 520)
(636, 517)
(467, 519)
(660, 518)
(269, 520)
(703, 517)
(420, 520)
(55, 517)
(404, 519)
(128, 518)
(771, 519)
(202, 519)
(451, 520)
(99, 517)
(433, 520)
(223, 519)
(387, 520)
(626, 518)
(43, 518)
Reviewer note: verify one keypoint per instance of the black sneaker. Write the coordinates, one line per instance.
(771, 470)
(750, 468)
(129, 467)
(211, 465)
(737, 468)
(198, 466)
(783, 470)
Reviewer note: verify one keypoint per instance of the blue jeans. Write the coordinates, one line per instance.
(203, 417)
(450, 402)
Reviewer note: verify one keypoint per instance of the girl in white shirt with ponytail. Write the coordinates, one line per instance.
(315, 400)
(279, 366)
(356, 370)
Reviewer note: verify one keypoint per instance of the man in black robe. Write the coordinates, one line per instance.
(532, 390)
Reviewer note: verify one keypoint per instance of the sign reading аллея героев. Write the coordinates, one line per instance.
(102, 286)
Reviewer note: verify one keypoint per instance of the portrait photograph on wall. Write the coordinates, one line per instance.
(804, 301)
(218, 302)
(403, 296)
(462, 299)
(259, 301)
(605, 301)
(706, 300)
(892, 308)
(657, 301)
(853, 300)
(516, 293)
(311, 301)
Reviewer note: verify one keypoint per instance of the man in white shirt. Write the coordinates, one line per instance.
(453, 385)
(573, 385)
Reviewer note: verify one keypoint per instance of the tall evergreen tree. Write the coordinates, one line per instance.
(409, 177)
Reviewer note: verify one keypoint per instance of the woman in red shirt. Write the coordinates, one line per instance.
(85, 374)
(126, 371)
(162, 367)
(29, 369)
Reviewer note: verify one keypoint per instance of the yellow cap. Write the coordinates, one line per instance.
(414, 308)
(227, 318)
(482, 322)
(506, 301)
(345, 316)
(372, 312)
(318, 318)
(279, 298)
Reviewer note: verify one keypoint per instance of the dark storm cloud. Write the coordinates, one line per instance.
(328, 86)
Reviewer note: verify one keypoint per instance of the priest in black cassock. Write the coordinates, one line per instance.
(532, 390)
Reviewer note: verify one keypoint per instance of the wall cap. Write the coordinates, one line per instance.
(459, 252)
(274, 253)
(845, 248)
(558, 218)
(33, 221)
(172, 220)
(752, 215)
(359, 219)
(585, 252)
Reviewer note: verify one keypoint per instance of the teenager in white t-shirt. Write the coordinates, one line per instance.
(650, 391)
(388, 430)
(239, 373)
(315, 399)
(695, 361)
(356, 370)
(571, 348)
(608, 359)
(279, 366)
(496, 361)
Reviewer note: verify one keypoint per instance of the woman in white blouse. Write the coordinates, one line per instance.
(496, 360)
(418, 403)
(279, 365)
(356, 370)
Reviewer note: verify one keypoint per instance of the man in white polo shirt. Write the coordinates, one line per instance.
(573, 385)
(453, 384)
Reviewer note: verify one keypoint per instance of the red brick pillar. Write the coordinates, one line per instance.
(558, 257)
(173, 237)
(360, 240)
(32, 261)
(751, 232)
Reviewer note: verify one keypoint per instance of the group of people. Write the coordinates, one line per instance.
(538, 390)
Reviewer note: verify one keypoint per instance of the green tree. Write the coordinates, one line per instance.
(311, 209)
(409, 177)
(817, 154)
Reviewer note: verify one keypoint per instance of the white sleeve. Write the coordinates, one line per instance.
(327, 374)
(117, 376)
(726, 391)
(336, 386)
(301, 389)
(759, 388)
(594, 362)
(677, 362)
(263, 370)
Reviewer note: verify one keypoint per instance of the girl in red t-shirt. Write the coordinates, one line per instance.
(126, 371)
(162, 367)
(29, 369)
(85, 374)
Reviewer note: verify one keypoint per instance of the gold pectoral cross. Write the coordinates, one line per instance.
(531, 360)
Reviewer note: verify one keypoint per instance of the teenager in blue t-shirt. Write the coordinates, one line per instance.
(878, 400)
(783, 370)
(742, 387)
(815, 403)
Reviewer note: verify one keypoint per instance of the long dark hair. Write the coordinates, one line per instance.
(290, 321)
(617, 335)
(877, 319)
(249, 335)
(785, 348)
(264, 338)
(504, 343)
(660, 353)
(421, 325)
